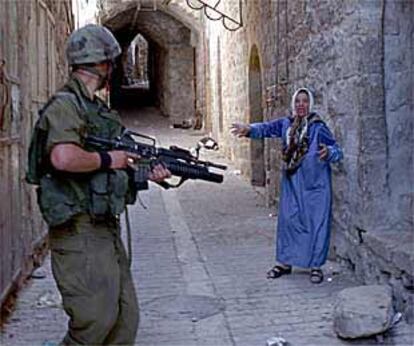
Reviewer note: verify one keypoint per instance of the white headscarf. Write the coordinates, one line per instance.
(310, 96)
(304, 128)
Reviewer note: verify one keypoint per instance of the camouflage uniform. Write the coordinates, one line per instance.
(89, 261)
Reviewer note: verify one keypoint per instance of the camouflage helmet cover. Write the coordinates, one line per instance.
(91, 44)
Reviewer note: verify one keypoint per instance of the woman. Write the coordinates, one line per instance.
(304, 218)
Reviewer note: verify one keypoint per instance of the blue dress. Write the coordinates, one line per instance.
(304, 219)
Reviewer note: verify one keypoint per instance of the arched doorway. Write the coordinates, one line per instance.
(134, 82)
(169, 61)
(256, 115)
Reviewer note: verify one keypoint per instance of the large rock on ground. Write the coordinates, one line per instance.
(363, 311)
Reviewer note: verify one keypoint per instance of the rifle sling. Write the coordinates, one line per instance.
(167, 185)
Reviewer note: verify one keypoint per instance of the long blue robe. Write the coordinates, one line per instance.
(304, 219)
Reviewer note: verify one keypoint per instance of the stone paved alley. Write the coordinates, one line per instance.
(200, 254)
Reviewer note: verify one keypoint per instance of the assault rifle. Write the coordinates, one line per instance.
(180, 162)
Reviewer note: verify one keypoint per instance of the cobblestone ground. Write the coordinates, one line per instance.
(200, 254)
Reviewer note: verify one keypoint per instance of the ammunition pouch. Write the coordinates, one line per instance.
(57, 200)
(108, 192)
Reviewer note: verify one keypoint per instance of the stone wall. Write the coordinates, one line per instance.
(32, 35)
(379, 246)
(357, 58)
(232, 97)
(398, 42)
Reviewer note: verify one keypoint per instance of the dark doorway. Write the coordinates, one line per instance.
(256, 115)
(134, 79)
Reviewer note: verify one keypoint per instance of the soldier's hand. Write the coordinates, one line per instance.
(159, 173)
(122, 159)
(240, 130)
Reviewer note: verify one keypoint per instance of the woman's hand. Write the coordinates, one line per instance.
(323, 152)
(240, 130)
(159, 173)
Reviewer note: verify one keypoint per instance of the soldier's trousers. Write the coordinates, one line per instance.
(89, 264)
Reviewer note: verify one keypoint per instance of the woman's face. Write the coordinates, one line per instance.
(302, 104)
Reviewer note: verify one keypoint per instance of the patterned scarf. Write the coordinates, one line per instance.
(297, 142)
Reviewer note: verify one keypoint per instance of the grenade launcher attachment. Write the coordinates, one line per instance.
(180, 162)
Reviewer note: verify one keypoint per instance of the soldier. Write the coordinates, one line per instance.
(81, 194)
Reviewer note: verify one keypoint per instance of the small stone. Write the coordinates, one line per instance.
(194, 319)
(397, 318)
(276, 341)
(49, 299)
(39, 273)
(331, 268)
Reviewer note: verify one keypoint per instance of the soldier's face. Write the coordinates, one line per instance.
(106, 69)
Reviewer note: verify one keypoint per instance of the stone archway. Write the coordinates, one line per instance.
(170, 61)
(256, 115)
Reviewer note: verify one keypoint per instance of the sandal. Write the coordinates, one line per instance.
(316, 276)
(278, 271)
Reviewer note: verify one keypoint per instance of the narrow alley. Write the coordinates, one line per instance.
(310, 103)
(200, 254)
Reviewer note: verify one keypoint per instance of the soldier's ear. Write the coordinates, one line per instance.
(104, 65)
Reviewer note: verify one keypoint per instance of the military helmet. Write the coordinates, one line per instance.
(91, 44)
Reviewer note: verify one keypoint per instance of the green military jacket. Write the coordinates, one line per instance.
(67, 118)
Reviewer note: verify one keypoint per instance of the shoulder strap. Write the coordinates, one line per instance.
(66, 95)
(37, 164)
(72, 95)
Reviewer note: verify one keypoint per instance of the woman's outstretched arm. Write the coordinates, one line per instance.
(268, 129)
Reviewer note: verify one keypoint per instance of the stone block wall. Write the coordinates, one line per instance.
(180, 83)
(232, 97)
(398, 79)
(32, 41)
(357, 58)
